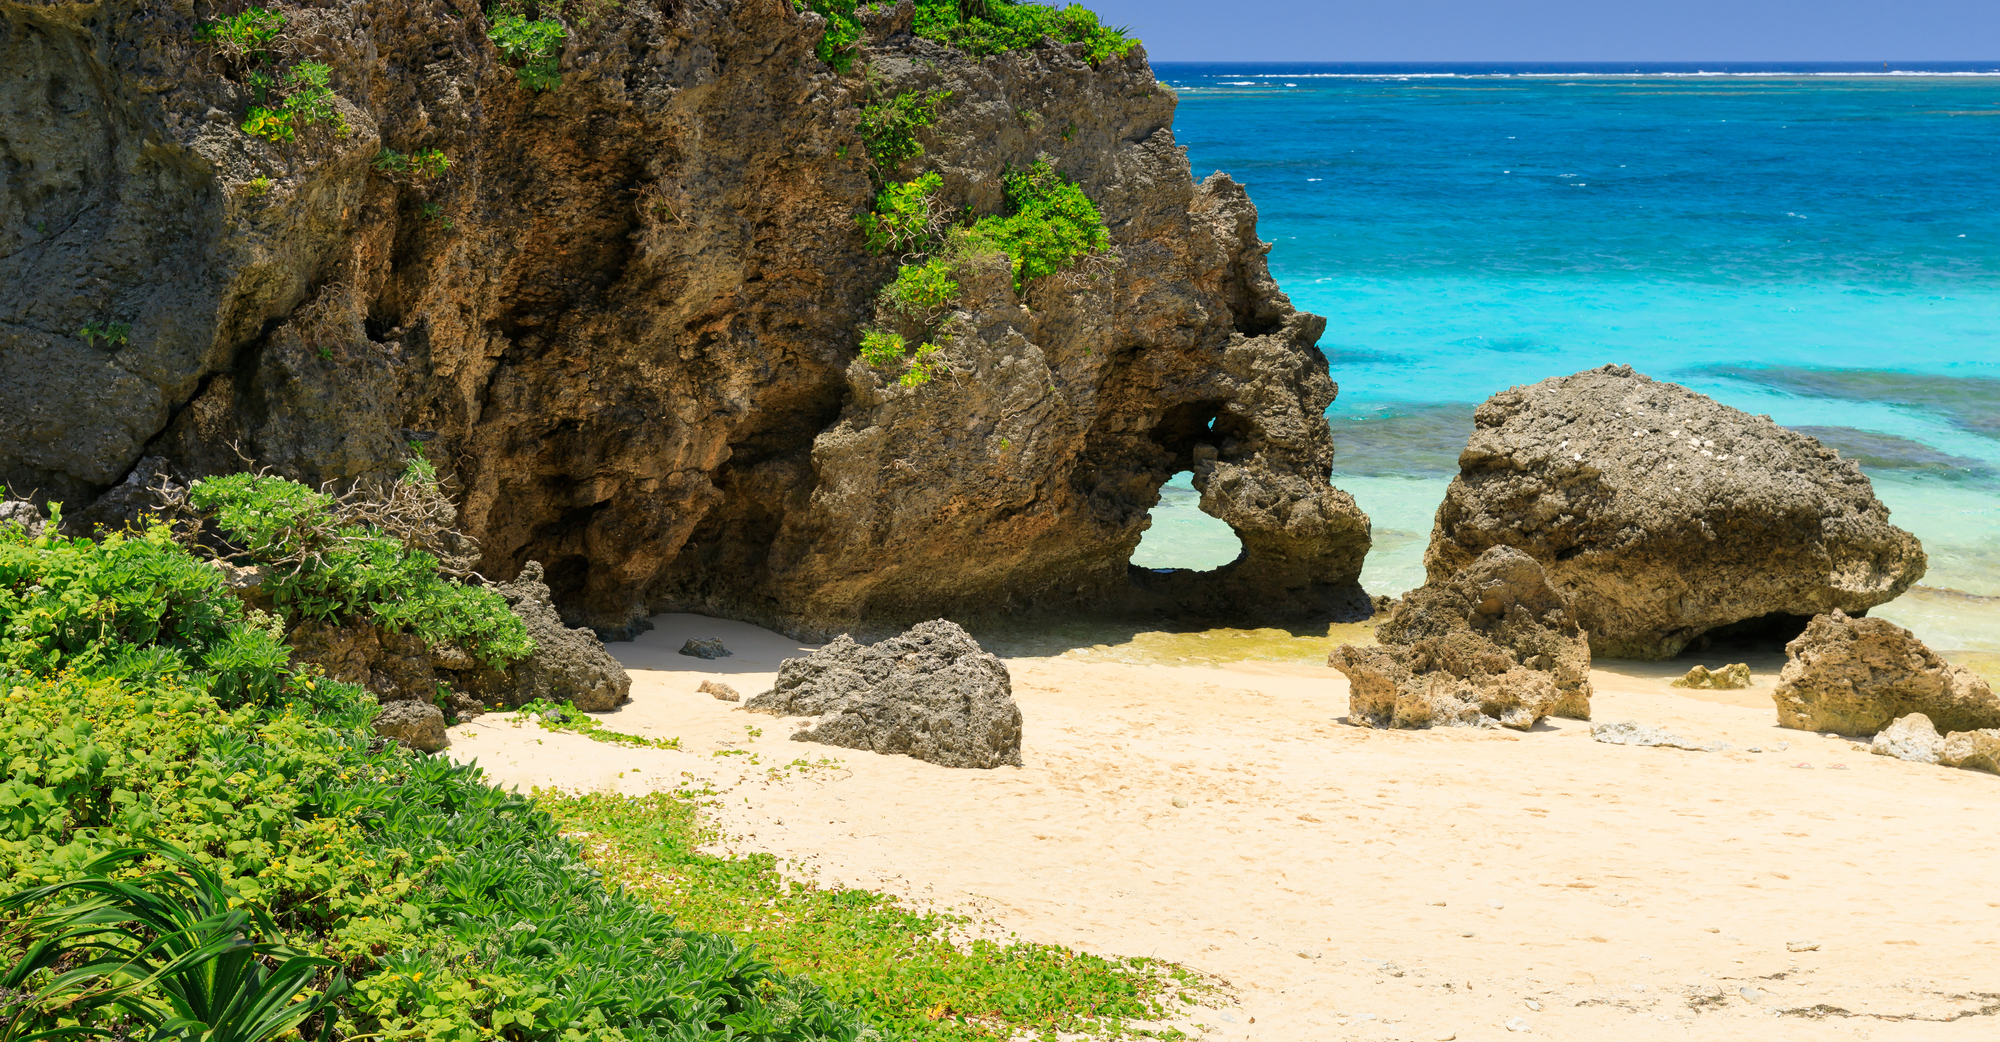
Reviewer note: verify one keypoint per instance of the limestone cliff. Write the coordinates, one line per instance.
(625, 322)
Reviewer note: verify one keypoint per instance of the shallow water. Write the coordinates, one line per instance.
(1822, 250)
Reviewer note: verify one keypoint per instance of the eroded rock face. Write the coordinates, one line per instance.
(1973, 750)
(568, 665)
(626, 321)
(1910, 738)
(1664, 515)
(1494, 644)
(419, 725)
(1855, 676)
(931, 694)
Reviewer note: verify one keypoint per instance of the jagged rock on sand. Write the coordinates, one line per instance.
(1911, 738)
(419, 725)
(1494, 644)
(1854, 676)
(1732, 677)
(699, 647)
(1973, 750)
(1631, 732)
(930, 693)
(1664, 514)
(719, 690)
(568, 665)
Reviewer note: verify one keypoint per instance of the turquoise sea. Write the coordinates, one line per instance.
(1816, 243)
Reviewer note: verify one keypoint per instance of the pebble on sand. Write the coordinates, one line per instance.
(710, 647)
(1802, 946)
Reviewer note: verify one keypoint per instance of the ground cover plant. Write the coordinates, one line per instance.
(914, 973)
(287, 99)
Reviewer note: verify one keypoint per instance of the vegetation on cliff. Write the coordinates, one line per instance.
(1049, 225)
(977, 27)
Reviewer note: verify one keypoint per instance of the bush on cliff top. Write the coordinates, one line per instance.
(978, 27)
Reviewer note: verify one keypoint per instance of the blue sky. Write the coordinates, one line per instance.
(1561, 30)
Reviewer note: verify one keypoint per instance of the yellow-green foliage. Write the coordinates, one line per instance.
(907, 217)
(889, 128)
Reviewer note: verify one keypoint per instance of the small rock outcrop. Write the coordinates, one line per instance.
(930, 693)
(710, 647)
(1911, 738)
(1665, 515)
(21, 514)
(568, 665)
(1732, 677)
(419, 725)
(1973, 750)
(1631, 732)
(1494, 644)
(719, 690)
(1854, 676)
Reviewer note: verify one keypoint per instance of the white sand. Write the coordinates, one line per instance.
(1435, 881)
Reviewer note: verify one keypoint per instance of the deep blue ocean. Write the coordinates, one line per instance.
(1815, 243)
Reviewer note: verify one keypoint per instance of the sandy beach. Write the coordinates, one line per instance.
(1350, 883)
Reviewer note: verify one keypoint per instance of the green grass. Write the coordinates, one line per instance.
(913, 973)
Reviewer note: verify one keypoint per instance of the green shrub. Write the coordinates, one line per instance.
(245, 38)
(837, 45)
(977, 26)
(308, 98)
(533, 46)
(921, 290)
(995, 26)
(880, 347)
(322, 568)
(1052, 223)
(889, 128)
(907, 216)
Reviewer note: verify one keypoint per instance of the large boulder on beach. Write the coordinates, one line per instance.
(930, 693)
(1973, 750)
(1855, 676)
(1911, 738)
(1664, 514)
(1493, 644)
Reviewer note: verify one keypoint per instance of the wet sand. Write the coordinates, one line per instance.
(1357, 884)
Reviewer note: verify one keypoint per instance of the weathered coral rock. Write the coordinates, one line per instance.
(1910, 738)
(23, 516)
(419, 725)
(1973, 750)
(721, 691)
(1853, 676)
(1665, 515)
(626, 322)
(1732, 677)
(568, 665)
(1495, 643)
(1631, 732)
(699, 648)
(930, 693)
